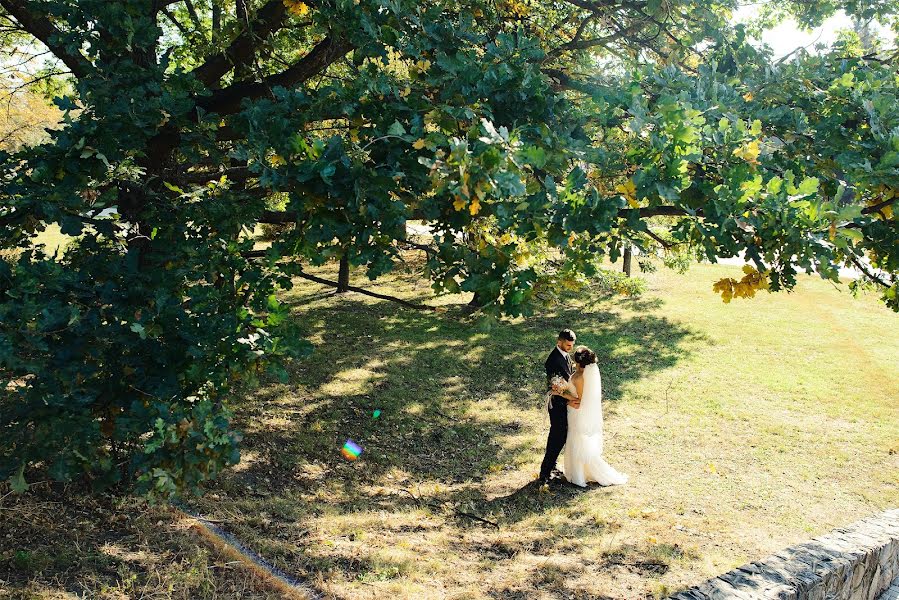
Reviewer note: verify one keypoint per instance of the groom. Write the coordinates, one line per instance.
(558, 364)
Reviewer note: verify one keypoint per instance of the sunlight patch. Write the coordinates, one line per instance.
(352, 382)
(247, 458)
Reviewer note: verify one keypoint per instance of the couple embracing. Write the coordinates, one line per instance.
(575, 415)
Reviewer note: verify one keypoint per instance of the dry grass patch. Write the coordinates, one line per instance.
(60, 543)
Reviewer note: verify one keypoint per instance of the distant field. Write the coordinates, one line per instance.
(744, 427)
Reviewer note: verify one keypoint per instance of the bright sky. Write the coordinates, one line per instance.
(786, 37)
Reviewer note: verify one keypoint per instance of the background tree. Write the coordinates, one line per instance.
(534, 138)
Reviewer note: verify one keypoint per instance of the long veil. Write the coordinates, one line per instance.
(588, 419)
(584, 446)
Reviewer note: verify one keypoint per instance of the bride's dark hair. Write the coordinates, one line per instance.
(584, 356)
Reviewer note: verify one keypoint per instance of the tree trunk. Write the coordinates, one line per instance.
(477, 301)
(216, 21)
(628, 255)
(343, 276)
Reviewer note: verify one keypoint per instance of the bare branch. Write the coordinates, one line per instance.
(174, 21)
(352, 288)
(666, 245)
(40, 27)
(858, 265)
(359, 290)
(423, 247)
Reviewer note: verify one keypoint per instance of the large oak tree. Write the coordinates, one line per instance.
(533, 137)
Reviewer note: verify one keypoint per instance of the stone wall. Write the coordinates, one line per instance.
(858, 562)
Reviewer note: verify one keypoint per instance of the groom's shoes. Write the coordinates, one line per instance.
(552, 482)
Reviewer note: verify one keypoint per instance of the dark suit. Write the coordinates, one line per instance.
(556, 365)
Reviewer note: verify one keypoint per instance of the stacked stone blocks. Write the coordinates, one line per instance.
(858, 562)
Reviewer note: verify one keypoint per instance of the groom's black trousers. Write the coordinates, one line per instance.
(558, 431)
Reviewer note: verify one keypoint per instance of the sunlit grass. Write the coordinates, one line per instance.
(744, 427)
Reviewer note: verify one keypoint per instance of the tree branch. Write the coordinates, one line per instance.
(359, 290)
(423, 247)
(858, 265)
(268, 19)
(233, 174)
(11, 217)
(227, 100)
(875, 208)
(352, 288)
(666, 245)
(174, 21)
(274, 217)
(193, 13)
(40, 27)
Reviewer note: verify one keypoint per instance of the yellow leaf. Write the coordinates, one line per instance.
(296, 8)
(277, 160)
(459, 203)
(419, 144)
(405, 92)
(749, 152)
(748, 96)
(629, 191)
(475, 207)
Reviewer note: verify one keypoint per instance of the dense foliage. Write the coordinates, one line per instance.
(534, 138)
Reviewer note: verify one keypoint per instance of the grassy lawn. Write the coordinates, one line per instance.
(744, 428)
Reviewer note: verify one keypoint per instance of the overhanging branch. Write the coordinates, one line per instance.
(858, 265)
(269, 18)
(227, 100)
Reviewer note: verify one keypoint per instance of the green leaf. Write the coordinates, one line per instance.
(173, 188)
(396, 129)
(808, 186)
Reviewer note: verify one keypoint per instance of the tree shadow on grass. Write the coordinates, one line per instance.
(453, 397)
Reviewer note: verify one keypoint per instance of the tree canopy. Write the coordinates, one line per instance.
(535, 138)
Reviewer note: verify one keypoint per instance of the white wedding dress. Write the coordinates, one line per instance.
(583, 447)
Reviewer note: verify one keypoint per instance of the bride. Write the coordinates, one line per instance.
(583, 447)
